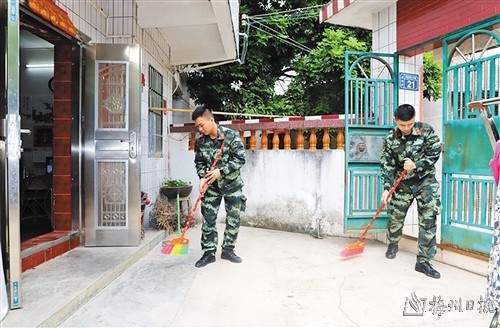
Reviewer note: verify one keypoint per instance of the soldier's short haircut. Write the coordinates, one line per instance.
(404, 112)
(201, 111)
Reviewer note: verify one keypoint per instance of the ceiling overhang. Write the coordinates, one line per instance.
(201, 31)
(354, 13)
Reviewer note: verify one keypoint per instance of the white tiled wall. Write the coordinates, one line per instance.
(384, 41)
(384, 30)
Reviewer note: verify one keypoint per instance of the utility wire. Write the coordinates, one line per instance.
(281, 36)
(301, 10)
(252, 21)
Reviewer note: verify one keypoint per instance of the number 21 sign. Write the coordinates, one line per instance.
(408, 81)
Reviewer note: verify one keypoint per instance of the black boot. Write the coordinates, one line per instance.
(205, 259)
(427, 269)
(228, 254)
(392, 249)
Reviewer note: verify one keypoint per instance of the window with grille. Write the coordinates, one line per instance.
(155, 117)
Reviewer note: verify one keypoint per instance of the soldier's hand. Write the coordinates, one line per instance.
(409, 165)
(213, 175)
(385, 197)
(203, 185)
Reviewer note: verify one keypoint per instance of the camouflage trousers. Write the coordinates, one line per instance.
(426, 193)
(235, 205)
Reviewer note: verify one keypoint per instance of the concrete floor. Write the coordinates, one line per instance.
(285, 279)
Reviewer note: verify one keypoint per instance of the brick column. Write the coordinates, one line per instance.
(61, 176)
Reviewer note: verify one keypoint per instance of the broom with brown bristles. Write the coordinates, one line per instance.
(180, 245)
(359, 246)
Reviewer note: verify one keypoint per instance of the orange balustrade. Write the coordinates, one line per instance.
(242, 137)
(276, 140)
(300, 139)
(340, 138)
(286, 134)
(263, 140)
(312, 139)
(326, 138)
(287, 141)
(253, 141)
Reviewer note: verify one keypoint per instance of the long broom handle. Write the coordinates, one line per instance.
(391, 191)
(203, 189)
(178, 213)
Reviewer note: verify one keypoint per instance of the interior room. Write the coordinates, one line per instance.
(36, 111)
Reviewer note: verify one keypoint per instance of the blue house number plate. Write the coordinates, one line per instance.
(408, 81)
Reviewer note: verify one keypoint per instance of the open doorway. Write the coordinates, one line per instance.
(50, 84)
(36, 111)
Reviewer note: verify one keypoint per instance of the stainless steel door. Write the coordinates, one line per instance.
(112, 129)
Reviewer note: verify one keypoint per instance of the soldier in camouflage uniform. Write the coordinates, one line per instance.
(222, 182)
(416, 148)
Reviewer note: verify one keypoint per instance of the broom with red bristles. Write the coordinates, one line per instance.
(180, 245)
(359, 246)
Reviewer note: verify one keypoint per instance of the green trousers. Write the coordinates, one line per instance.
(426, 193)
(235, 205)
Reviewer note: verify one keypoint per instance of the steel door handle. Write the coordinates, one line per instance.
(132, 144)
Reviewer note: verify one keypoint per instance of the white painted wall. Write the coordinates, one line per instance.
(298, 190)
(292, 190)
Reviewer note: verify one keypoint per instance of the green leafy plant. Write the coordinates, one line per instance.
(175, 183)
(432, 78)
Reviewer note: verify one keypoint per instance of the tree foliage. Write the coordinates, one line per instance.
(318, 87)
(433, 88)
(315, 67)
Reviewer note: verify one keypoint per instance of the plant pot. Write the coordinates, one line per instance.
(171, 192)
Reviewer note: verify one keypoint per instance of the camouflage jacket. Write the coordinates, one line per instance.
(229, 164)
(422, 146)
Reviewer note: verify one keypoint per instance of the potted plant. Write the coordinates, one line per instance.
(171, 187)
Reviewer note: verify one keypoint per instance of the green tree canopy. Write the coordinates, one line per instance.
(284, 42)
(318, 87)
(433, 88)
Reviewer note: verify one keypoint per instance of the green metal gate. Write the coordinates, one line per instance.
(371, 95)
(471, 71)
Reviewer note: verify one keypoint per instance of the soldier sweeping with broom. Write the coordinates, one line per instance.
(224, 181)
(413, 147)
